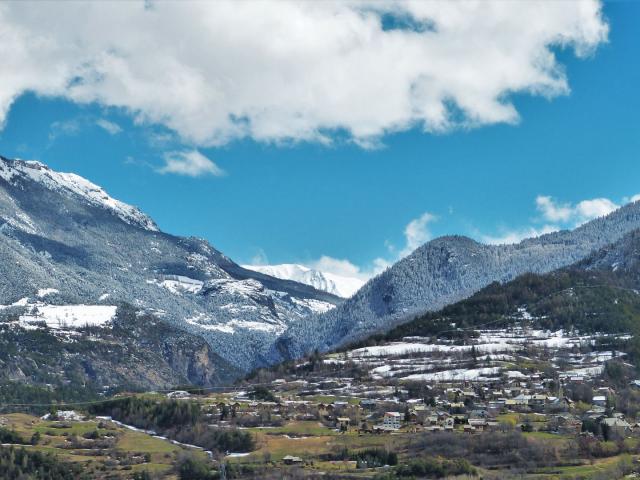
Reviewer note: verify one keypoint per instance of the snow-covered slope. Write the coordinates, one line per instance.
(17, 171)
(329, 282)
(64, 242)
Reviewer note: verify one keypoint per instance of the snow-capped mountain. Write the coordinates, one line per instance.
(329, 282)
(68, 250)
(18, 172)
(65, 242)
(444, 271)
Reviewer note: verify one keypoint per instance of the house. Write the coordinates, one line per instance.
(178, 394)
(448, 423)
(392, 421)
(419, 414)
(343, 423)
(291, 460)
(567, 424)
(368, 404)
(477, 423)
(618, 426)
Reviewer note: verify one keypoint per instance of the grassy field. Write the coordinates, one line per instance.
(155, 455)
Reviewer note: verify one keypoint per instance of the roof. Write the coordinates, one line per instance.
(616, 422)
(292, 458)
(393, 414)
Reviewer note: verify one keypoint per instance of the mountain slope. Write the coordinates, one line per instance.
(600, 293)
(444, 271)
(131, 350)
(61, 234)
(329, 282)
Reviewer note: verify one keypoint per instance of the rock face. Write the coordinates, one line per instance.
(132, 351)
(64, 241)
(446, 270)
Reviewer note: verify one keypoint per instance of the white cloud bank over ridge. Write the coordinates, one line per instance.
(577, 214)
(558, 215)
(294, 70)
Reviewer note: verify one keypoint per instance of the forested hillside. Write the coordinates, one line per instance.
(446, 270)
(597, 294)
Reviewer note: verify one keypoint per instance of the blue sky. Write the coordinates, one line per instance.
(297, 198)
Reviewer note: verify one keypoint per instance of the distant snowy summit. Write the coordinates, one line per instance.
(329, 282)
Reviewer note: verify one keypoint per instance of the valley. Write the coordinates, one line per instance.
(166, 359)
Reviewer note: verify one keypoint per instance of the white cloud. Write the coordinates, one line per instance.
(338, 266)
(345, 268)
(574, 214)
(559, 215)
(631, 199)
(516, 236)
(64, 128)
(190, 163)
(260, 258)
(294, 70)
(110, 127)
(598, 207)
(416, 232)
(552, 210)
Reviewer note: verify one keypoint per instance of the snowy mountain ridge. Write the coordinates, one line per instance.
(446, 270)
(18, 170)
(329, 282)
(67, 243)
(64, 241)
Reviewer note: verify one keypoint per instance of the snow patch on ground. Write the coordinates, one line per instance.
(43, 292)
(461, 374)
(65, 317)
(178, 284)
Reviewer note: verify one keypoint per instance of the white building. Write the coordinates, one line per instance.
(392, 420)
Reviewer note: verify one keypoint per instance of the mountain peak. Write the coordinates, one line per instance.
(16, 171)
(339, 285)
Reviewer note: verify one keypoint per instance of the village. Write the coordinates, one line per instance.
(555, 389)
(497, 404)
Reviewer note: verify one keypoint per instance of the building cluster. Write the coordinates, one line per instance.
(531, 402)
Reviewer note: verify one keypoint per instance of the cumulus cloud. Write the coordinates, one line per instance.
(337, 266)
(416, 232)
(190, 163)
(64, 128)
(293, 70)
(516, 236)
(577, 214)
(345, 268)
(110, 127)
(556, 215)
